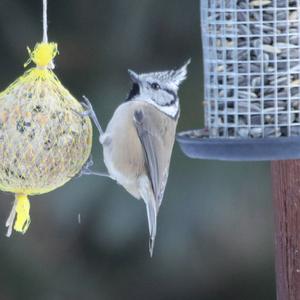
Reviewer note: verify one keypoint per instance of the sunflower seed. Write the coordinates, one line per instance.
(272, 131)
(257, 3)
(256, 132)
(293, 15)
(271, 49)
(243, 132)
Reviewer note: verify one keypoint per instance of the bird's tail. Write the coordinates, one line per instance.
(152, 222)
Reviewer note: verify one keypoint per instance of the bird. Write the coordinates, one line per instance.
(139, 138)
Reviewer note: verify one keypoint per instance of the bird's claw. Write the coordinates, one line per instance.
(88, 107)
(86, 170)
(89, 112)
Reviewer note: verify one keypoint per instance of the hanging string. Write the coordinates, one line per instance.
(45, 22)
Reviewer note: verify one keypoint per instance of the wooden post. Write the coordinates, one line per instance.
(286, 198)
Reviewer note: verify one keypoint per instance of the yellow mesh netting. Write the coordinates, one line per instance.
(43, 142)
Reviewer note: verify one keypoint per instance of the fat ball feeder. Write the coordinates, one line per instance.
(43, 142)
(251, 53)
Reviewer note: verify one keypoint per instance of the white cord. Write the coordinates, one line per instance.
(45, 22)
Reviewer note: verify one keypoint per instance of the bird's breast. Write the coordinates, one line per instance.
(122, 149)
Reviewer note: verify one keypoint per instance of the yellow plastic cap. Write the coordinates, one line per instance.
(43, 54)
(22, 209)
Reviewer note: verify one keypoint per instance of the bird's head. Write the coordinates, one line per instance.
(159, 88)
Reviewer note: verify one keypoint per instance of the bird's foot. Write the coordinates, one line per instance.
(89, 112)
(86, 170)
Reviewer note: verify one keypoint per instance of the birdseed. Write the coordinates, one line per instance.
(252, 68)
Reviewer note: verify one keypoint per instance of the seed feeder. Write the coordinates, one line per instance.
(251, 81)
(251, 52)
(252, 108)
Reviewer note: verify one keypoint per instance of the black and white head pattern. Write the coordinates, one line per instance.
(159, 89)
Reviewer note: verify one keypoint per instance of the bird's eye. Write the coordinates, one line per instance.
(155, 86)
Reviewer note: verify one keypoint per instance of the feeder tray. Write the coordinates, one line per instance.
(264, 149)
(251, 83)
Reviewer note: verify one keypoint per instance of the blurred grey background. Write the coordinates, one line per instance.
(215, 235)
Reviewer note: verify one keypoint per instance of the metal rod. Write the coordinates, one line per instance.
(286, 199)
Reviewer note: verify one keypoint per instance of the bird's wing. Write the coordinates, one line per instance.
(157, 153)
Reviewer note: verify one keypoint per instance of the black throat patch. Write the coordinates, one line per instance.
(135, 90)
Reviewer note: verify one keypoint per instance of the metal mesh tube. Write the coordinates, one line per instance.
(252, 67)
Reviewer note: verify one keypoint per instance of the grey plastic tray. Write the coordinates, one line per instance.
(263, 149)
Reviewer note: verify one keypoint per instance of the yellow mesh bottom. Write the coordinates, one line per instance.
(43, 143)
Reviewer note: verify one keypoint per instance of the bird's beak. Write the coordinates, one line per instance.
(134, 76)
